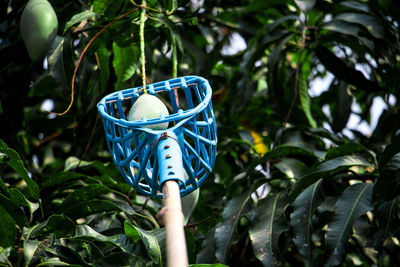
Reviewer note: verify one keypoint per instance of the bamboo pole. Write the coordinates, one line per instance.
(172, 217)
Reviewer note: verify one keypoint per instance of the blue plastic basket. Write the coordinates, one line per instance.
(184, 152)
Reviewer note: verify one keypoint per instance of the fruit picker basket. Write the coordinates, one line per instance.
(148, 155)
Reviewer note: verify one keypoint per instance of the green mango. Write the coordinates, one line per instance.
(38, 28)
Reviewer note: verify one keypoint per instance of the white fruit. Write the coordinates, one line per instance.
(149, 107)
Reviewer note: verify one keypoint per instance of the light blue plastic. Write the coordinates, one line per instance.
(184, 152)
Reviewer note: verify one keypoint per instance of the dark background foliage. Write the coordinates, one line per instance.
(293, 183)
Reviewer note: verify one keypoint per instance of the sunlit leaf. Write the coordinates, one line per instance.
(293, 168)
(268, 224)
(355, 201)
(305, 5)
(77, 18)
(342, 161)
(305, 100)
(148, 239)
(125, 63)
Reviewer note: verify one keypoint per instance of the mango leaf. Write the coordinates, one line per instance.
(389, 179)
(7, 229)
(305, 5)
(343, 161)
(14, 161)
(301, 218)
(341, 109)
(356, 5)
(58, 225)
(355, 201)
(104, 57)
(348, 29)
(69, 254)
(86, 233)
(324, 169)
(348, 149)
(225, 232)
(207, 252)
(77, 18)
(372, 24)
(268, 224)
(292, 168)
(14, 210)
(305, 100)
(149, 240)
(340, 69)
(84, 194)
(208, 265)
(125, 63)
(122, 259)
(388, 221)
(61, 178)
(87, 208)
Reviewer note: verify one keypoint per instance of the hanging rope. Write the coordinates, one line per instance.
(142, 54)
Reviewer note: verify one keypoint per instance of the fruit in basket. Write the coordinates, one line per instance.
(148, 107)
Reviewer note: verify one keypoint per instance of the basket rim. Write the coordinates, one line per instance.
(157, 87)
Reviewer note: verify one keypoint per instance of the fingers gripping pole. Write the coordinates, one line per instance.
(171, 173)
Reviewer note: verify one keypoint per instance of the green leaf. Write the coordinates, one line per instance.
(125, 63)
(292, 168)
(325, 169)
(305, 100)
(301, 218)
(15, 162)
(84, 15)
(60, 178)
(58, 225)
(86, 233)
(355, 201)
(14, 210)
(372, 24)
(225, 232)
(90, 207)
(103, 55)
(122, 259)
(389, 179)
(305, 5)
(207, 252)
(344, 27)
(149, 240)
(208, 265)
(341, 108)
(87, 193)
(342, 162)
(268, 224)
(356, 5)
(7, 229)
(386, 214)
(348, 149)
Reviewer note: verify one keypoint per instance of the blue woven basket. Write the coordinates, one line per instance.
(184, 152)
